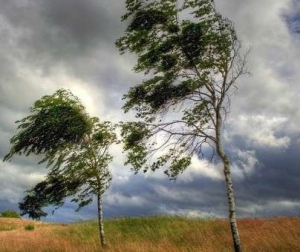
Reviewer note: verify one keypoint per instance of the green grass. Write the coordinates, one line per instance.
(184, 234)
(153, 234)
(137, 230)
(5, 228)
(176, 230)
(83, 231)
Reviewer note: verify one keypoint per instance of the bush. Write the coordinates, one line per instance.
(10, 214)
(29, 227)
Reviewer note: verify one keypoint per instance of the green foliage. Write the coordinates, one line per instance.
(32, 205)
(74, 147)
(78, 171)
(10, 214)
(29, 227)
(181, 53)
(190, 54)
(134, 136)
(55, 120)
(145, 20)
(51, 191)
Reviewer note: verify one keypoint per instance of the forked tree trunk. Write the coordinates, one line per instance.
(229, 186)
(100, 222)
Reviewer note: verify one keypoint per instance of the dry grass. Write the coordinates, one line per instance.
(152, 234)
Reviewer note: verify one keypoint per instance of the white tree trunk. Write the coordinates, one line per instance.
(229, 186)
(231, 203)
(100, 222)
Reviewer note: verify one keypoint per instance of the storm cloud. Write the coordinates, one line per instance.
(52, 44)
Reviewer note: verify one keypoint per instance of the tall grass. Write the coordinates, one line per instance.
(155, 234)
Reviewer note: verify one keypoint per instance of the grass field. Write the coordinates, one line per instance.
(151, 234)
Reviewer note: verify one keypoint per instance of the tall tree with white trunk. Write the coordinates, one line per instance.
(192, 58)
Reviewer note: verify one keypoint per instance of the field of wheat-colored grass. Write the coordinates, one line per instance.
(151, 234)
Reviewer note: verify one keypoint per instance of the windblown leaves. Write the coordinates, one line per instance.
(74, 147)
(134, 136)
(146, 19)
(187, 50)
(176, 53)
(55, 121)
(78, 171)
(51, 191)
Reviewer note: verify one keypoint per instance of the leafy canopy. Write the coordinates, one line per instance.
(78, 172)
(10, 214)
(54, 121)
(190, 54)
(74, 147)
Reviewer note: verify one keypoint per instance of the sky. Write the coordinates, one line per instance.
(52, 44)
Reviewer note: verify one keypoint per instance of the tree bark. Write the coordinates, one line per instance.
(231, 203)
(229, 186)
(100, 222)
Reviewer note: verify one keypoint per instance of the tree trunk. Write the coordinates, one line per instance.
(100, 222)
(231, 203)
(229, 186)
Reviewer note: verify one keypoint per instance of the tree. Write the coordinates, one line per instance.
(10, 214)
(32, 207)
(191, 55)
(75, 148)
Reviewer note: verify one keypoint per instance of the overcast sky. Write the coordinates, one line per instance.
(51, 44)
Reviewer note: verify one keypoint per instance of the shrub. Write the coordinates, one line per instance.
(10, 214)
(29, 227)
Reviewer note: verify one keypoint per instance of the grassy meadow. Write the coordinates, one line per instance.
(150, 234)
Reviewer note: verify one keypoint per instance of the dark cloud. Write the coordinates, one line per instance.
(276, 180)
(46, 45)
(82, 22)
(56, 32)
(279, 175)
(7, 205)
(292, 17)
(272, 190)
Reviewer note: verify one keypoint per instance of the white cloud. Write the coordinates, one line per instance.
(125, 201)
(281, 206)
(16, 179)
(187, 213)
(244, 164)
(272, 89)
(201, 168)
(260, 130)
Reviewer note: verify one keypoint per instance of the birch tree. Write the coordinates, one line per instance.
(191, 56)
(75, 150)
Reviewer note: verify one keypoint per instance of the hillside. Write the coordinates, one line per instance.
(154, 234)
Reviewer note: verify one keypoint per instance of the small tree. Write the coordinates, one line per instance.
(32, 207)
(191, 55)
(75, 148)
(10, 214)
